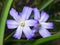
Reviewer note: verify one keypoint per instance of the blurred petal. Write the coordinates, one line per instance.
(31, 22)
(18, 33)
(36, 14)
(28, 33)
(14, 14)
(20, 14)
(48, 25)
(34, 30)
(11, 24)
(44, 16)
(44, 33)
(26, 12)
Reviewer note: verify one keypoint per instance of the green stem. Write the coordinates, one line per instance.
(3, 19)
(9, 35)
(43, 40)
(45, 4)
(15, 40)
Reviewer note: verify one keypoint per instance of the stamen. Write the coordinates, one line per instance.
(22, 23)
(39, 25)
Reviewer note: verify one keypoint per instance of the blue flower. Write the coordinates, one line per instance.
(43, 25)
(22, 23)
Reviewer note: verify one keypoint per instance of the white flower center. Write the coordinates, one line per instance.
(22, 23)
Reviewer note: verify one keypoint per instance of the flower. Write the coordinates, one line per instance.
(22, 23)
(43, 25)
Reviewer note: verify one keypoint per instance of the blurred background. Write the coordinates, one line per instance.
(53, 10)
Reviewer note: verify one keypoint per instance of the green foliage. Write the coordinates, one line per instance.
(44, 4)
(49, 6)
(3, 19)
(42, 40)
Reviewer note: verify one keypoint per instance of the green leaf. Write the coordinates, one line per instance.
(45, 4)
(43, 40)
(3, 19)
(20, 41)
(9, 35)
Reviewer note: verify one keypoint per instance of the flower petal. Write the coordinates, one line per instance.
(36, 14)
(48, 25)
(26, 12)
(14, 14)
(44, 16)
(28, 33)
(31, 22)
(44, 33)
(34, 30)
(18, 33)
(11, 24)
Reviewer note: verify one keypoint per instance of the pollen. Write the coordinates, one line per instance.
(22, 23)
(39, 25)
